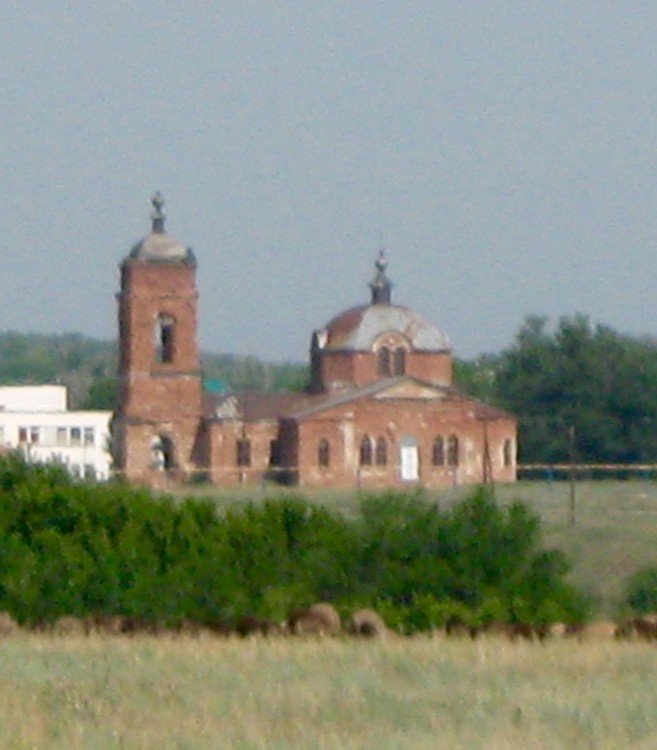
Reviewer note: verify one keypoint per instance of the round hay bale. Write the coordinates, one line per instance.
(319, 619)
(601, 630)
(8, 626)
(367, 623)
(556, 630)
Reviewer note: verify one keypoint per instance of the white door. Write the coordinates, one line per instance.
(409, 460)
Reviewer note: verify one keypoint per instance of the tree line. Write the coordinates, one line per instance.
(88, 367)
(574, 378)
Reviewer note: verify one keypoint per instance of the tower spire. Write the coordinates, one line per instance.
(157, 214)
(380, 284)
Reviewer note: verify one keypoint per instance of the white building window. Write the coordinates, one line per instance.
(61, 436)
(28, 435)
(76, 436)
(89, 436)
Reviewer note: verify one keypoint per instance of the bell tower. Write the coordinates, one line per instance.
(158, 419)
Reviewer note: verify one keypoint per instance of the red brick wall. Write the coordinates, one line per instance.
(157, 398)
(224, 437)
(137, 440)
(433, 367)
(347, 369)
(393, 420)
(345, 427)
(151, 289)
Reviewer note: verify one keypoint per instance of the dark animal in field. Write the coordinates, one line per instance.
(521, 631)
(517, 631)
(574, 630)
(368, 623)
(248, 625)
(106, 624)
(139, 626)
(319, 619)
(219, 627)
(642, 628)
(457, 627)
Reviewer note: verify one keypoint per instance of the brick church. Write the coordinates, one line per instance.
(379, 411)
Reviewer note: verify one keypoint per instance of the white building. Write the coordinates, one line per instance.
(36, 421)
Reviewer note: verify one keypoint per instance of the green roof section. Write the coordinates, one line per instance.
(214, 385)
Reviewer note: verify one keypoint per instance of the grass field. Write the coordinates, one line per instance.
(421, 693)
(416, 694)
(615, 530)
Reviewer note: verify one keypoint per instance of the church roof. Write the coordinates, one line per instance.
(158, 246)
(254, 406)
(358, 328)
(402, 388)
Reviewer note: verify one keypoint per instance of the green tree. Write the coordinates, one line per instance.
(641, 591)
(590, 378)
(102, 394)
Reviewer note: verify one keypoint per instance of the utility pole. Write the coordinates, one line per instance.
(571, 459)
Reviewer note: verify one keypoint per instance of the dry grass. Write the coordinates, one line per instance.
(419, 694)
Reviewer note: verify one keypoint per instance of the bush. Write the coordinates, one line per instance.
(70, 547)
(641, 591)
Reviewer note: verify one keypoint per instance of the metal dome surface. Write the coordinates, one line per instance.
(158, 246)
(358, 328)
(161, 247)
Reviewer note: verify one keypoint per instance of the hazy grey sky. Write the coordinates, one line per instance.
(504, 152)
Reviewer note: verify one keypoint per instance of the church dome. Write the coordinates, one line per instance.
(358, 328)
(158, 246)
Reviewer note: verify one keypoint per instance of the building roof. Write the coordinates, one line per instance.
(158, 246)
(390, 389)
(254, 407)
(356, 329)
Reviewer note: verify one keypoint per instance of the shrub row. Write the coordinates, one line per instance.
(72, 548)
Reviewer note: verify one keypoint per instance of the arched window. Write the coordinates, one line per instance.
(324, 453)
(452, 451)
(366, 451)
(507, 452)
(164, 338)
(162, 453)
(243, 452)
(400, 361)
(384, 360)
(381, 452)
(438, 452)
(274, 452)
